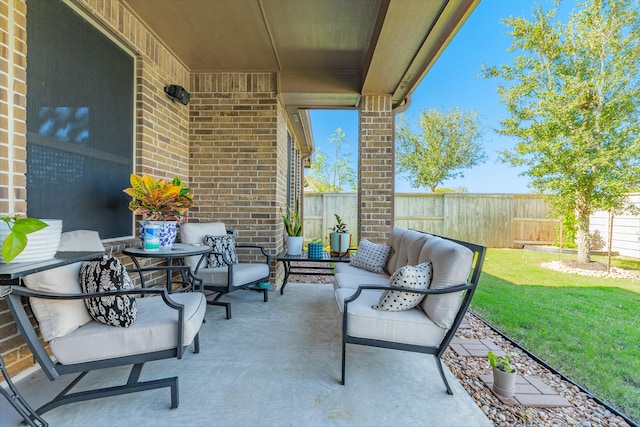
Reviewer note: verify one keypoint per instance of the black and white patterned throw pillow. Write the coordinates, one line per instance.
(371, 256)
(108, 274)
(412, 277)
(222, 244)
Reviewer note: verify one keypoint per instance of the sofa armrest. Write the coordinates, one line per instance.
(449, 290)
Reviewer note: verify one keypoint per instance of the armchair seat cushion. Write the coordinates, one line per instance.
(155, 329)
(408, 327)
(243, 273)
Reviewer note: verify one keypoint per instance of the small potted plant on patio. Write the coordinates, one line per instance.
(504, 374)
(340, 238)
(160, 203)
(293, 228)
(28, 239)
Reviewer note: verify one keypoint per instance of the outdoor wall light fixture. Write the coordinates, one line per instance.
(177, 93)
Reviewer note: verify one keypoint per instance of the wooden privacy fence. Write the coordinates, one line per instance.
(492, 220)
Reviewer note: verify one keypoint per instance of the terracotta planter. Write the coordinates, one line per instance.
(504, 383)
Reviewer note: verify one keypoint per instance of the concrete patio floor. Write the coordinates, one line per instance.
(272, 364)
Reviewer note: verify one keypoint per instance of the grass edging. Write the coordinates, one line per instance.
(556, 372)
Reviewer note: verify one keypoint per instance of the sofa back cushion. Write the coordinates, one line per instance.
(451, 264)
(406, 246)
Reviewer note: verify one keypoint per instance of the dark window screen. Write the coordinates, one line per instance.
(79, 122)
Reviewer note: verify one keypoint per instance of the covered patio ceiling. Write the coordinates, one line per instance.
(326, 53)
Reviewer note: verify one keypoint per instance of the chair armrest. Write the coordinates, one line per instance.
(31, 293)
(262, 249)
(28, 332)
(227, 261)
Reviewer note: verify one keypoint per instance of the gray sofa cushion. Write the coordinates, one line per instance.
(451, 266)
(155, 329)
(406, 246)
(354, 279)
(409, 326)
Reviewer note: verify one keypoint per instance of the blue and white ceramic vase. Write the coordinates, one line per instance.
(168, 232)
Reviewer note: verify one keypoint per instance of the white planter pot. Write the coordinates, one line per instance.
(504, 383)
(340, 242)
(41, 245)
(294, 245)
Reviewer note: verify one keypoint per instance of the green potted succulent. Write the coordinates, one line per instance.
(160, 203)
(340, 238)
(293, 227)
(17, 232)
(504, 374)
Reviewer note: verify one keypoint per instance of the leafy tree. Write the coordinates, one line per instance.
(447, 144)
(573, 96)
(333, 175)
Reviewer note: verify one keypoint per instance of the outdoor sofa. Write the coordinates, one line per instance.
(409, 294)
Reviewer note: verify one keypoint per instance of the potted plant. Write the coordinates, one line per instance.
(504, 374)
(160, 203)
(41, 244)
(340, 238)
(293, 228)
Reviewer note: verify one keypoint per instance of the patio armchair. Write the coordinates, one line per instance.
(224, 272)
(164, 326)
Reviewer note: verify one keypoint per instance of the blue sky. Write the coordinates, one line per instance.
(454, 82)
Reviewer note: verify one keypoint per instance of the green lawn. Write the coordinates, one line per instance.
(586, 327)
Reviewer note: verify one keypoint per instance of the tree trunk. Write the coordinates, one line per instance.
(584, 239)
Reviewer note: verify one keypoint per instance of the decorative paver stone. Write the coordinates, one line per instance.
(475, 347)
(530, 391)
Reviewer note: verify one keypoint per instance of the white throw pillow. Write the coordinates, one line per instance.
(371, 256)
(57, 318)
(413, 277)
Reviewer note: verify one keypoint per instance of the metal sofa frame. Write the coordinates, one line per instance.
(437, 351)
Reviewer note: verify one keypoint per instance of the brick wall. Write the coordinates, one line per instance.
(376, 168)
(233, 164)
(162, 137)
(229, 144)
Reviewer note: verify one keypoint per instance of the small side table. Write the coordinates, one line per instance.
(323, 269)
(176, 253)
